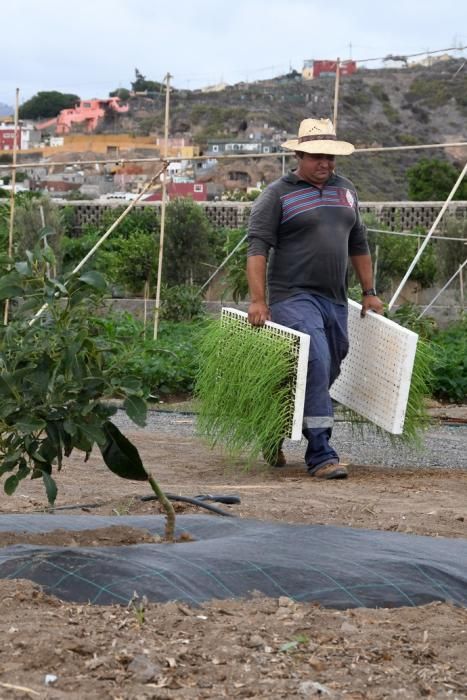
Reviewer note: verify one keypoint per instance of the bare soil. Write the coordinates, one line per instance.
(256, 648)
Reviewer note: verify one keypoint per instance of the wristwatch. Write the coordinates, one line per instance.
(369, 292)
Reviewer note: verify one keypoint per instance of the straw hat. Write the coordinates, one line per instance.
(318, 136)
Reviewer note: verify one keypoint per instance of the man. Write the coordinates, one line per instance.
(310, 222)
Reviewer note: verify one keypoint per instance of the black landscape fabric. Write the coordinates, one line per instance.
(230, 558)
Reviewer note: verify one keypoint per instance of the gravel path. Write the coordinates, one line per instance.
(443, 445)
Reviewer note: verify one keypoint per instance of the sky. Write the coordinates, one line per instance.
(91, 47)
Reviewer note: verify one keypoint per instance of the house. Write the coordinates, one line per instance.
(27, 136)
(218, 147)
(177, 147)
(314, 69)
(195, 190)
(86, 112)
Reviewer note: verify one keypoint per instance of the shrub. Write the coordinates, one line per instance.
(164, 366)
(450, 366)
(181, 303)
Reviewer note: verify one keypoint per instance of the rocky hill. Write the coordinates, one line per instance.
(387, 107)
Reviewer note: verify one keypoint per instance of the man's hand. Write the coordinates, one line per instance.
(258, 313)
(371, 303)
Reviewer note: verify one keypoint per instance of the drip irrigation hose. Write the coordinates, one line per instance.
(198, 501)
(192, 501)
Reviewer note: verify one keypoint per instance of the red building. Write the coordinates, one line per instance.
(329, 68)
(194, 190)
(7, 138)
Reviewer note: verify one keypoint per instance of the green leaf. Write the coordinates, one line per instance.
(50, 487)
(10, 291)
(93, 433)
(11, 484)
(46, 231)
(136, 409)
(30, 424)
(23, 268)
(94, 279)
(121, 456)
(48, 255)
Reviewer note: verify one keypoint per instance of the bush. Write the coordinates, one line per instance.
(450, 367)
(165, 366)
(181, 303)
(433, 179)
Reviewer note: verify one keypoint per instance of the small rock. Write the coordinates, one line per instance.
(255, 641)
(348, 628)
(312, 689)
(143, 669)
(285, 602)
(315, 663)
(50, 679)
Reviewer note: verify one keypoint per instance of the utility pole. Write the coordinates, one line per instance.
(336, 93)
(163, 207)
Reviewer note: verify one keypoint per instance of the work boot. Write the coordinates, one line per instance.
(331, 471)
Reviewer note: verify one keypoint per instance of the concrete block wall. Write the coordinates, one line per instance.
(399, 216)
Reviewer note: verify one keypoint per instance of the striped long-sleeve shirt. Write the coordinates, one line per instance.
(312, 232)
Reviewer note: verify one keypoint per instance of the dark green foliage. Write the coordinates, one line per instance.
(128, 257)
(181, 303)
(46, 104)
(433, 180)
(122, 93)
(236, 266)
(188, 237)
(452, 253)
(55, 372)
(445, 370)
(450, 364)
(140, 84)
(164, 367)
(408, 314)
(395, 254)
(120, 455)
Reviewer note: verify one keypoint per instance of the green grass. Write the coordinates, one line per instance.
(243, 388)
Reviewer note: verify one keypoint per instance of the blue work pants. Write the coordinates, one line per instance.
(326, 324)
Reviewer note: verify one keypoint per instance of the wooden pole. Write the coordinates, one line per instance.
(375, 265)
(461, 285)
(12, 200)
(336, 93)
(163, 208)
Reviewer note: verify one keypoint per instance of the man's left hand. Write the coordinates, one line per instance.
(371, 304)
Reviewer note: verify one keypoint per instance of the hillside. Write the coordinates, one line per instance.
(388, 107)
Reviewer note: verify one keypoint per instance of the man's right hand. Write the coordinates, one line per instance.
(258, 313)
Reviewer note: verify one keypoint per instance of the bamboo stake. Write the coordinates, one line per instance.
(427, 238)
(12, 201)
(461, 286)
(145, 306)
(46, 243)
(163, 207)
(218, 269)
(375, 265)
(336, 93)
